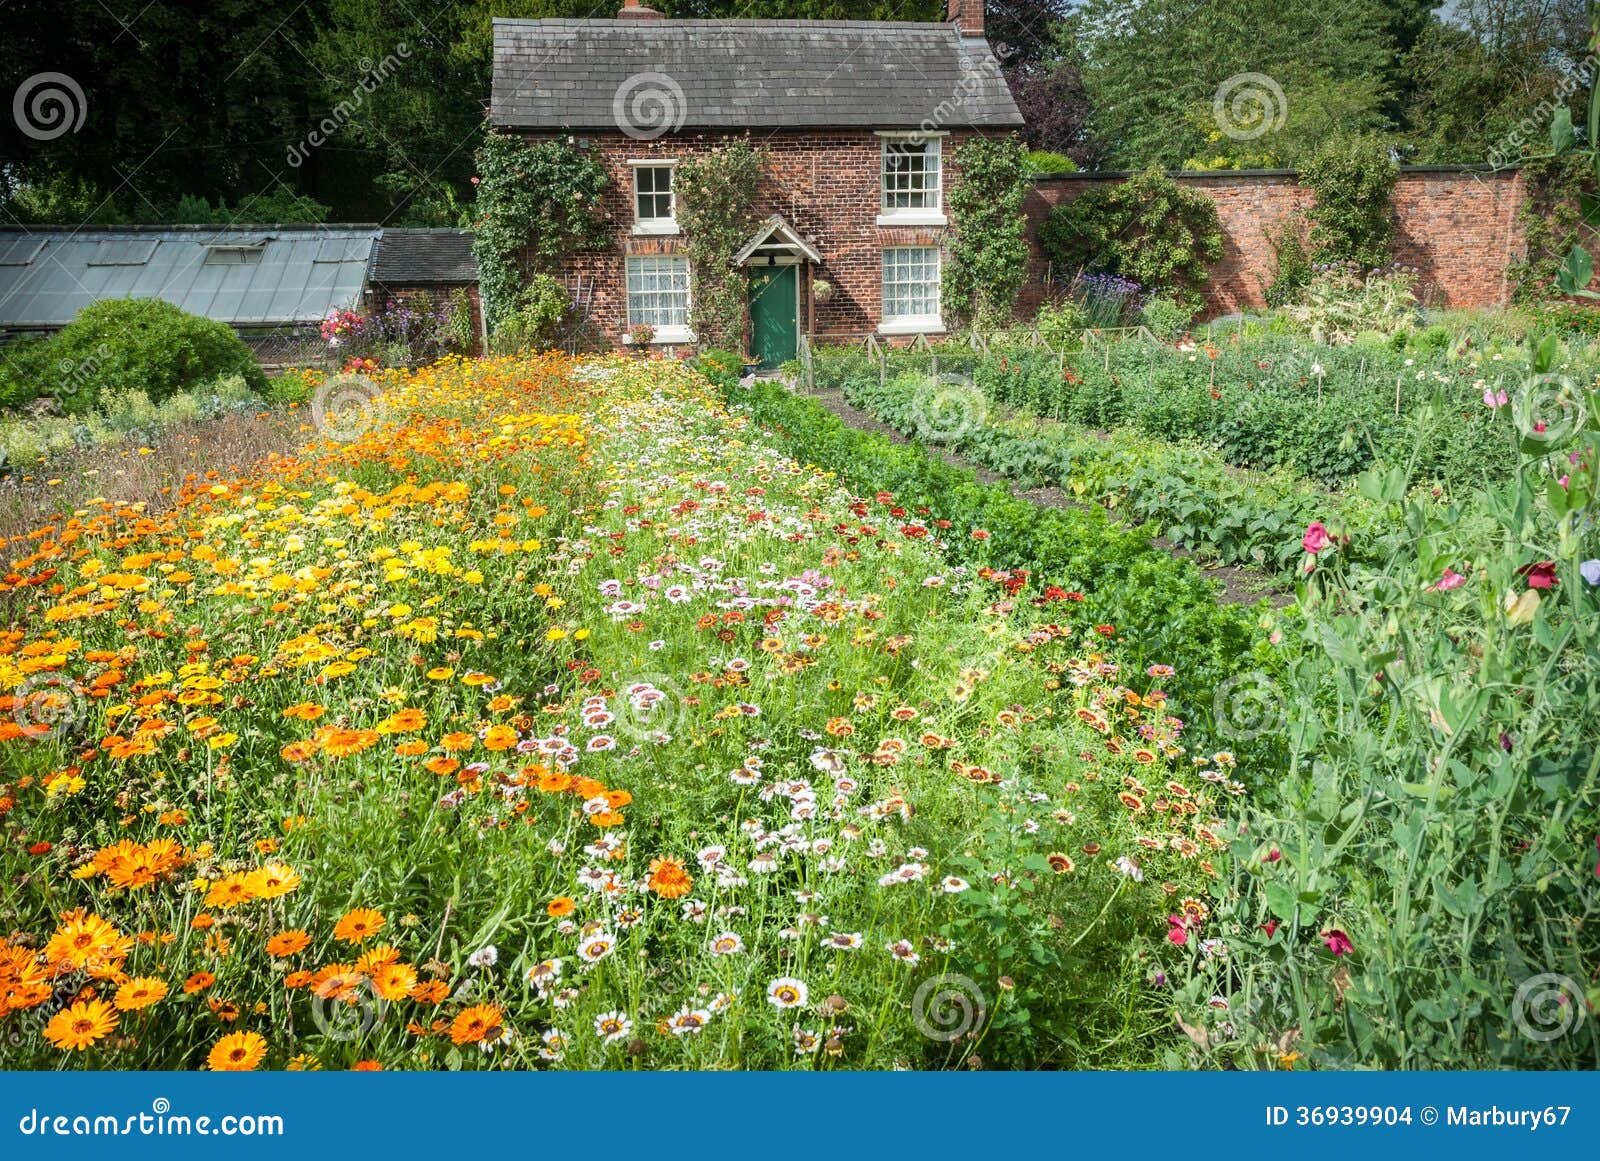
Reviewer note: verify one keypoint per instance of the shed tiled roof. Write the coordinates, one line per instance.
(659, 75)
(241, 275)
(416, 257)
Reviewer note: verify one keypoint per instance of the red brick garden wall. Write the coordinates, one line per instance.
(1457, 226)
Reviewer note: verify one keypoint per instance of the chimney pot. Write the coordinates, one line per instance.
(633, 10)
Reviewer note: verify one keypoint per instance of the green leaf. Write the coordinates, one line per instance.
(1281, 901)
(1575, 272)
(1561, 134)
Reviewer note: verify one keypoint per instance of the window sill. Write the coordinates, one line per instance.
(914, 218)
(665, 336)
(654, 229)
(927, 326)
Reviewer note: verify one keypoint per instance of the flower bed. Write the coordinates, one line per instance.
(556, 718)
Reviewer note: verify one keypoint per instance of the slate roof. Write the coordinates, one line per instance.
(241, 275)
(736, 74)
(416, 257)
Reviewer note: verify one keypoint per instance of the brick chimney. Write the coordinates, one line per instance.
(968, 15)
(633, 10)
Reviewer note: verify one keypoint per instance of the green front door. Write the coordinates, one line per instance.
(774, 313)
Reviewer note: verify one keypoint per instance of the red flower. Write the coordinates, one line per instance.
(1178, 931)
(1316, 537)
(1541, 574)
(1270, 927)
(40, 848)
(1338, 942)
(979, 534)
(1106, 630)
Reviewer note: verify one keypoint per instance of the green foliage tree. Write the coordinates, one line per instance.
(988, 250)
(1149, 228)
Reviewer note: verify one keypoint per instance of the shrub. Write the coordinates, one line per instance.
(723, 368)
(1149, 228)
(1045, 161)
(1165, 316)
(1292, 262)
(1059, 323)
(141, 344)
(532, 324)
(1342, 302)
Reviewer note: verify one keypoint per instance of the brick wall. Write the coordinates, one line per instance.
(825, 183)
(1457, 226)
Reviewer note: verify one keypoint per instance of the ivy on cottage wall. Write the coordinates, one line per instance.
(716, 194)
(537, 201)
(987, 255)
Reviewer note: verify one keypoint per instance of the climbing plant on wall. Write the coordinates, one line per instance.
(1353, 177)
(716, 193)
(536, 202)
(987, 256)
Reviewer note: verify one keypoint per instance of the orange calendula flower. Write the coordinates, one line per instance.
(77, 1027)
(561, 905)
(668, 878)
(140, 993)
(271, 880)
(358, 925)
(288, 943)
(477, 1023)
(198, 982)
(237, 1052)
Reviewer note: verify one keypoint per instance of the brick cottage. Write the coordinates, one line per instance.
(859, 121)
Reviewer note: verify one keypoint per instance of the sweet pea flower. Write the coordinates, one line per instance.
(1450, 580)
(1494, 400)
(1541, 574)
(1316, 537)
(1590, 570)
(1338, 942)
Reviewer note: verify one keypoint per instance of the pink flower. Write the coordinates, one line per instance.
(1316, 537)
(1178, 932)
(1450, 580)
(1494, 400)
(1274, 855)
(1338, 942)
(1541, 574)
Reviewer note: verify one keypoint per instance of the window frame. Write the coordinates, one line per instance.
(911, 324)
(664, 333)
(929, 215)
(655, 226)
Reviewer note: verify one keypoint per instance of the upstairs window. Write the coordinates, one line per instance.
(654, 207)
(912, 180)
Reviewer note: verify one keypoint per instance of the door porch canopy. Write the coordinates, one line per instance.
(775, 242)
